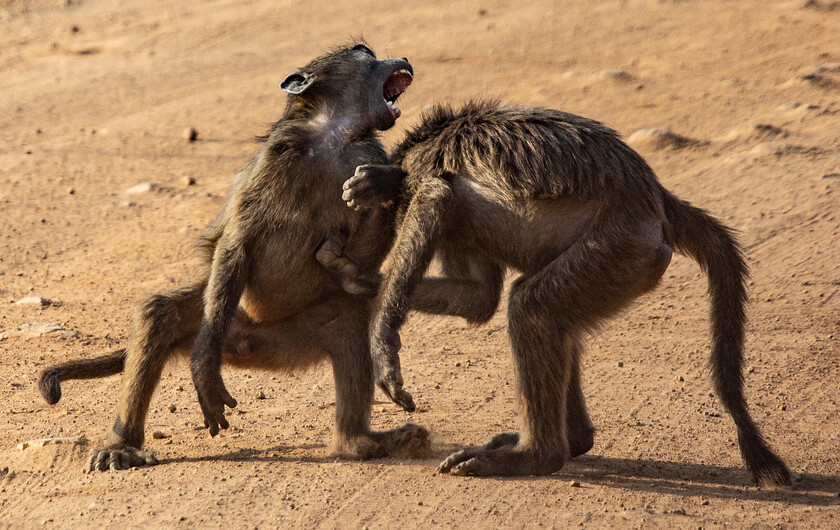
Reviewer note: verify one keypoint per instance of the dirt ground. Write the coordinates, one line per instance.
(94, 96)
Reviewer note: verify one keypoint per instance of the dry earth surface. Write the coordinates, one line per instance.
(738, 103)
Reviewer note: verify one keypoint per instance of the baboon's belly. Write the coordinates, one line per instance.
(525, 234)
(284, 283)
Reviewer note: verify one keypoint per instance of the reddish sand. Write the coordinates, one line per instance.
(87, 113)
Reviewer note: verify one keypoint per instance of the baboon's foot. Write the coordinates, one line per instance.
(117, 458)
(500, 457)
(581, 442)
(409, 441)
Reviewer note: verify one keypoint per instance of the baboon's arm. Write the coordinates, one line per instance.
(221, 298)
(373, 186)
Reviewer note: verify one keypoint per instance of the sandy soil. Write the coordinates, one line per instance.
(94, 96)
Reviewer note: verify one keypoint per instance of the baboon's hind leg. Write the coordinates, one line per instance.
(548, 313)
(162, 323)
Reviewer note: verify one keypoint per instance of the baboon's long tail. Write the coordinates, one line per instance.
(49, 383)
(713, 246)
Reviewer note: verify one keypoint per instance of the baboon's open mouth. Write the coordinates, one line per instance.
(393, 88)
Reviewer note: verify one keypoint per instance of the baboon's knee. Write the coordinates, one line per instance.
(484, 307)
(156, 318)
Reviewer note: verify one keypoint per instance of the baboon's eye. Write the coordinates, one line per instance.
(363, 48)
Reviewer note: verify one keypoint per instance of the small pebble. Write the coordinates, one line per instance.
(620, 364)
(189, 134)
(679, 378)
(71, 191)
(15, 384)
(574, 484)
(782, 407)
(188, 180)
(678, 511)
(35, 300)
(157, 435)
(457, 365)
(259, 395)
(144, 187)
(172, 408)
(705, 502)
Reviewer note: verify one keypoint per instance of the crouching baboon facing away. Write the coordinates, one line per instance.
(562, 200)
(270, 296)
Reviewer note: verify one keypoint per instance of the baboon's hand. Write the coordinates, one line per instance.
(372, 186)
(365, 283)
(386, 366)
(213, 396)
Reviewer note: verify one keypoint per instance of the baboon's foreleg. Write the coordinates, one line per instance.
(409, 258)
(162, 323)
(548, 312)
(221, 298)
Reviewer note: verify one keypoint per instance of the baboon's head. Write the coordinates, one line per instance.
(351, 81)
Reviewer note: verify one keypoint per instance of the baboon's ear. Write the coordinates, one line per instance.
(297, 82)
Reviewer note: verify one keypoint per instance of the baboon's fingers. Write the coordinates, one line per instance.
(115, 461)
(228, 399)
(210, 416)
(473, 466)
(456, 458)
(102, 461)
(360, 190)
(91, 463)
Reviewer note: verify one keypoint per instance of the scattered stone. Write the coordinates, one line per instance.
(482, 12)
(574, 484)
(782, 407)
(29, 300)
(189, 134)
(50, 441)
(74, 29)
(831, 175)
(659, 139)
(679, 379)
(259, 395)
(616, 75)
(15, 384)
(457, 365)
(705, 502)
(36, 329)
(816, 5)
(620, 364)
(172, 408)
(144, 187)
(126, 204)
(71, 191)
(188, 180)
(158, 435)
(755, 131)
(678, 511)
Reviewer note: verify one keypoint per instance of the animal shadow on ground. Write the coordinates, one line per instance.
(698, 480)
(652, 476)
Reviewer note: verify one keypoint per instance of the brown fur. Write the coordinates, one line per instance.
(270, 296)
(582, 217)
